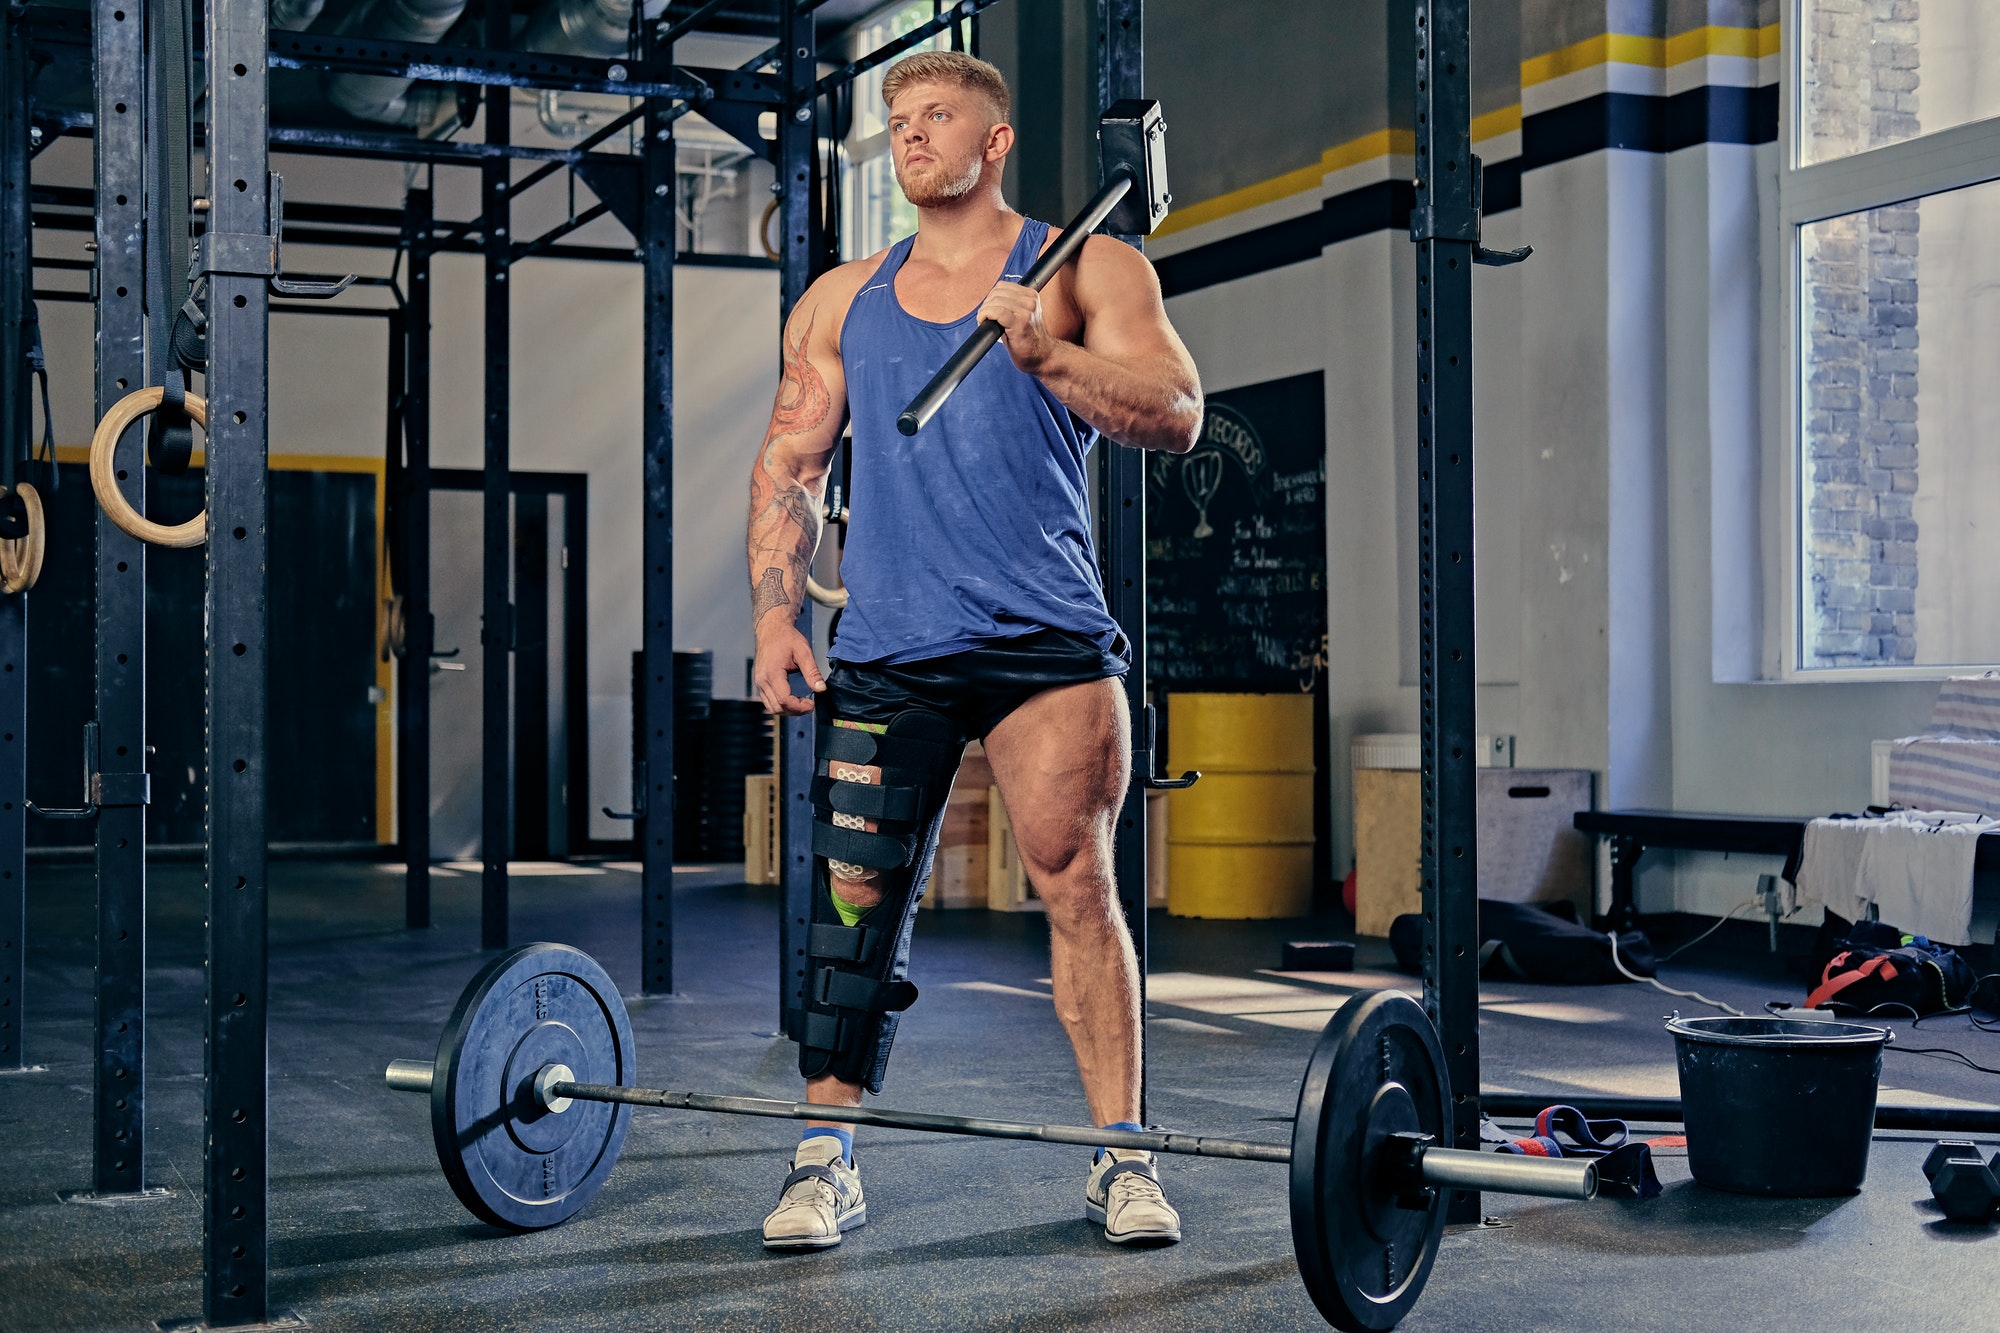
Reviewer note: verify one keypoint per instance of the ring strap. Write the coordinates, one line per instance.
(878, 851)
(867, 800)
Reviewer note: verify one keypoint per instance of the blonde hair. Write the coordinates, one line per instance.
(955, 68)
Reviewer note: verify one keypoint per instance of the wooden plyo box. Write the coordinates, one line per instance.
(959, 872)
(1527, 849)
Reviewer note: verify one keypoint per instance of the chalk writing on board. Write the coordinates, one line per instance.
(1236, 544)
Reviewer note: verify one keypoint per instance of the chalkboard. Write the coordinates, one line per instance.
(1236, 544)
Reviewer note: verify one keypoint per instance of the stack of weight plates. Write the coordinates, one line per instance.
(739, 744)
(694, 683)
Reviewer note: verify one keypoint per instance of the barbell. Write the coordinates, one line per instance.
(532, 1091)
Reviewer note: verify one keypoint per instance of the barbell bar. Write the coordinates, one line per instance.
(555, 1088)
(532, 1091)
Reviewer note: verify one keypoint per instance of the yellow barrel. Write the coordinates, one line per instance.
(1240, 841)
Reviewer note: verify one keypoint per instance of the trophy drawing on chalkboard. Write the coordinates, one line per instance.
(1201, 475)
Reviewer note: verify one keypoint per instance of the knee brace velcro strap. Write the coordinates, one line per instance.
(866, 800)
(842, 944)
(878, 851)
(846, 990)
(852, 745)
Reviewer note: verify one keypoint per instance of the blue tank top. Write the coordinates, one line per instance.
(976, 528)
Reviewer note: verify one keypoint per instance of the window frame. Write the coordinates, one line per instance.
(1944, 160)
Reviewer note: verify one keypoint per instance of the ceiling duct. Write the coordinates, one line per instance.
(596, 28)
(295, 15)
(385, 98)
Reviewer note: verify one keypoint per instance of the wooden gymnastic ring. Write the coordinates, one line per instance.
(104, 444)
(392, 629)
(21, 557)
(836, 598)
(764, 229)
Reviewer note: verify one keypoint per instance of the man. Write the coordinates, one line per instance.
(975, 612)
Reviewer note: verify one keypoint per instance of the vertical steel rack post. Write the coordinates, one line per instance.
(1444, 224)
(413, 672)
(119, 1081)
(798, 218)
(496, 628)
(16, 287)
(239, 253)
(654, 800)
(1120, 63)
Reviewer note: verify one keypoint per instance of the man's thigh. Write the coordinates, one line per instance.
(1062, 761)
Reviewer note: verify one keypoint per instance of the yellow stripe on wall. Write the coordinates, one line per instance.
(1353, 153)
(385, 707)
(1618, 48)
(1606, 48)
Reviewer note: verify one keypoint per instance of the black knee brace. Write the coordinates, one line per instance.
(855, 990)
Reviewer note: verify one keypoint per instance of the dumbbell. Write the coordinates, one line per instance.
(1965, 1187)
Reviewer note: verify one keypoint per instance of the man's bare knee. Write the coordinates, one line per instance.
(857, 886)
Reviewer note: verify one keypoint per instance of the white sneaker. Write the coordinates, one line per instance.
(821, 1199)
(1123, 1196)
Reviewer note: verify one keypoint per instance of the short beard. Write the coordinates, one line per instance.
(933, 194)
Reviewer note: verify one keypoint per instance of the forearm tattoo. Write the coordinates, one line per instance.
(785, 518)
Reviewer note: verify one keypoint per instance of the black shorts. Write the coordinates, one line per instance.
(976, 688)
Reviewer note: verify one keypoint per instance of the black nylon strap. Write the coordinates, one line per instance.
(850, 745)
(841, 944)
(867, 800)
(845, 990)
(809, 1172)
(1145, 1169)
(879, 851)
(855, 746)
(170, 438)
(819, 1032)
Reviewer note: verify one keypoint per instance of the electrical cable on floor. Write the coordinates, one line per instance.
(1944, 1052)
(1619, 963)
(1747, 902)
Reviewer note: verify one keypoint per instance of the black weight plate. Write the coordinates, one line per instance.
(1378, 1069)
(512, 1163)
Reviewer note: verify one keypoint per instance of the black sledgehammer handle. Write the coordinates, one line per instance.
(925, 405)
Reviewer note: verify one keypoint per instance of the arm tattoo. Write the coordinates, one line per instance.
(785, 517)
(769, 593)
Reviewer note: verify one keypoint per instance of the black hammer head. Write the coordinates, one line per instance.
(1132, 137)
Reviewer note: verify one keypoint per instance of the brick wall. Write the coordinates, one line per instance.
(1860, 299)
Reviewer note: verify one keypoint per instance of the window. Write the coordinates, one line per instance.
(1889, 196)
(877, 214)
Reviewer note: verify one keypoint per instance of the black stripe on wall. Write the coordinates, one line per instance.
(1608, 120)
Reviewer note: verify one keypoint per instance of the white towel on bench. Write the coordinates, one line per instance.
(1913, 866)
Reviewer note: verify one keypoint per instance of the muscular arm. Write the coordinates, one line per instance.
(1131, 377)
(786, 485)
(789, 478)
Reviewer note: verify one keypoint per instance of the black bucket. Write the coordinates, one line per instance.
(1778, 1106)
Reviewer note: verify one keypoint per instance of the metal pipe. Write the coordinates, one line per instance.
(1505, 1173)
(410, 1075)
(1667, 1110)
(1187, 1145)
(386, 98)
(600, 28)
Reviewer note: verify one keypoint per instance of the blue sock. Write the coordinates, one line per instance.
(1118, 1124)
(846, 1137)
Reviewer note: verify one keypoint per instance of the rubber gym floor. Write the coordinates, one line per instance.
(963, 1233)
